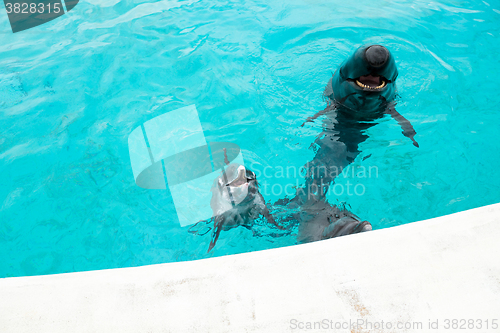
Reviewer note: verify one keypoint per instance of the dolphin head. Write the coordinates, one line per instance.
(322, 220)
(342, 222)
(236, 185)
(366, 81)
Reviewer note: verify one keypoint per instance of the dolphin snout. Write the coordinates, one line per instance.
(376, 55)
(366, 227)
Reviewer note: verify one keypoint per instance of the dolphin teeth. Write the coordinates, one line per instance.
(362, 85)
(381, 85)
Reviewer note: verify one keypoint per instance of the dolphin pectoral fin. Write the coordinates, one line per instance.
(317, 115)
(201, 228)
(215, 234)
(311, 119)
(405, 124)
(367, 156)
(269, 218)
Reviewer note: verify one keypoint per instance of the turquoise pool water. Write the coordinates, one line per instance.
(73, 89)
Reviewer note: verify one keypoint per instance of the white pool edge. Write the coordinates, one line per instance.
(419, 274)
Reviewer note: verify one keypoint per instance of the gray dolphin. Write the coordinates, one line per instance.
(361, 91)
(236, 201)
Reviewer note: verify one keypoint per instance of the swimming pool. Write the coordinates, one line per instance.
(72, 90)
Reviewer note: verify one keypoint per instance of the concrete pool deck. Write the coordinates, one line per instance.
(410, 276)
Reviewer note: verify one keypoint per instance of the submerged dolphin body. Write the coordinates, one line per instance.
(236, 201)
(361, 91)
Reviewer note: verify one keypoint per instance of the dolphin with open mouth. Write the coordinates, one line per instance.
(361, 91)
(364, 88)
(365, 83)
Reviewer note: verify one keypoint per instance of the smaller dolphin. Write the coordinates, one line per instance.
(236, 201)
